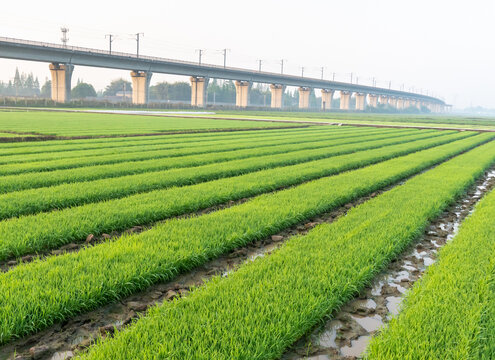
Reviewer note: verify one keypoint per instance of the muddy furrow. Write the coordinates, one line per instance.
(350, 329)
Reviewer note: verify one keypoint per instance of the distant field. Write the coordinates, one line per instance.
(89, 124)
(374, 119)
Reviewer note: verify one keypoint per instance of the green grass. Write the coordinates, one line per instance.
(31, 180)
(45, 291)
(428, 120)
(19, 147)
(61, 196)
(88, 124)
(179, 149)
(177, 157)
(178, 140)
(450, 312)
(48, 230)
(265, 306)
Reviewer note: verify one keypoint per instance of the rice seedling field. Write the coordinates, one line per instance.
(68, 124)
(241, 241)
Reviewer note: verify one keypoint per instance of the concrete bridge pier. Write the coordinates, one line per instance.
(392, 102)
(277, 91)
(61, 81)
(417, 103)
(198, 91)
(345, 99)
(400, 103)
(326, 99)
(242, 93)
(383, 100)
(373, 99)
(304, 97)
(140, 86)
(360, 101)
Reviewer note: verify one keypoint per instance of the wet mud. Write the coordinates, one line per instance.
(349, 331)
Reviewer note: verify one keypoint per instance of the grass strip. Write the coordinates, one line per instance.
(450, 312)
(57, 197)
(196, 155)
(73, 145)
(31, 180)
(44, 231)
(265, 306)
(123, 140)
(177, 149)
(39, 293)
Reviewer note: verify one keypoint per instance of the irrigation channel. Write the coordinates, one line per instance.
(345, 336)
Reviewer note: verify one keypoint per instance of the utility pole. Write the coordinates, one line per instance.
(224, 51)
(64, 35)
(110, 41)
(390, 84)
(282, 66)
(351, 78)
(200, 51)
(322, 70)
(357, 80)
(333, 77)
(259, 65)
(374, 82)
(302, 71)
(137, 41)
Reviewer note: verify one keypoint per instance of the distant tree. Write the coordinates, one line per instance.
(170, 91)
(116, 86)
(221, 92)
(260, 95)
(46, 89)
(83, 90)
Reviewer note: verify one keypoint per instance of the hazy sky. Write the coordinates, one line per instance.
(443, 46)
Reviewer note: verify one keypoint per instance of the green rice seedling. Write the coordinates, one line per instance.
(45, 291)
(211, 153)
(90, 144)
(40, 232)
(61, 196)
(266, 305)
(178, 149)
(31, 180)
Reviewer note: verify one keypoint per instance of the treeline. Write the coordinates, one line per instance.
(22, 85)
(219, 92)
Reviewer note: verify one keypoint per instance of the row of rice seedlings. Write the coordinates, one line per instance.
(72, 145)
(39, 293)
(33, 180)
(40, 232)
(177, 155)
(450, 312)
(61, 196)
(265, 306)
(116, 140)
(175, 149)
